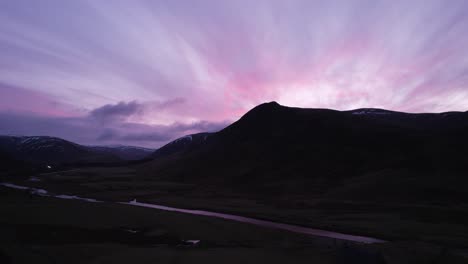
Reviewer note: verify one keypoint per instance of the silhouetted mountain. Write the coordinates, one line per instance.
(181, 145)
(363, 153)
(52, 150)
(124, 152)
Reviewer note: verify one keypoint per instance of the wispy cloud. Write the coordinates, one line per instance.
(116, 112)
(103, 126)
(159, 62)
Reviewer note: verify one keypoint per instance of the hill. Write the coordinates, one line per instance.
(276, 151)
(53, 151)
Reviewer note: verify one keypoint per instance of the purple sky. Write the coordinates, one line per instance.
(146, 72)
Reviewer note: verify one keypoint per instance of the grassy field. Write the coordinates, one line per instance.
(49, 230)
(443, 224)
(57, 231)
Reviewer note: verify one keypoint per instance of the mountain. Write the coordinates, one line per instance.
(124, 152)
(181, 145)
(52, 150)
(275, 150)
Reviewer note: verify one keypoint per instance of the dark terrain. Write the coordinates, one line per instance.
(360, 155)
(396, 176)
(44, 150)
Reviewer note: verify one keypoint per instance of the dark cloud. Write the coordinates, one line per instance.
(119, 111)
(140, 133)
(205, 126)
(90, 130)
(159, 133)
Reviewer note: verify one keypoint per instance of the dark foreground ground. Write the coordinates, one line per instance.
(48, 230)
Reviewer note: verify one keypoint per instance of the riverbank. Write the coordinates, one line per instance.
(443, 224)
(38, 229)
(41, 229)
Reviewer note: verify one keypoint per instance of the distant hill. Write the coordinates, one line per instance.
(52, 150)
(124, 152)
(358, 154)
(181, 145)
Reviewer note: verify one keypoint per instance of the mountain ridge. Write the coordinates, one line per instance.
(274, 149)
(53, 150)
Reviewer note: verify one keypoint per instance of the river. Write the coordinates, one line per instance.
(237, 218)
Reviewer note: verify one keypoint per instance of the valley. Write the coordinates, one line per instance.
(387, 186)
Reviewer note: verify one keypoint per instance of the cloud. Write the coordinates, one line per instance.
(131, 132)
(205, 126)
(116, 112)
(162, 66)
(163, 110)
(17, 99)
(89, 129)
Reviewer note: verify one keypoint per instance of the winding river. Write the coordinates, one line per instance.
(237, 218)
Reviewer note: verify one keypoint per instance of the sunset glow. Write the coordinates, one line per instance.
(146, 72)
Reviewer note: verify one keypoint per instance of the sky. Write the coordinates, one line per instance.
(146, 72)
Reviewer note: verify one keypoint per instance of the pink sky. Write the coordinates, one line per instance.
(173, 67)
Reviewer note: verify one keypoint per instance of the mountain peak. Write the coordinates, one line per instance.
(273, 103)
(269, 104)
(263, 110)
(266, 107)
